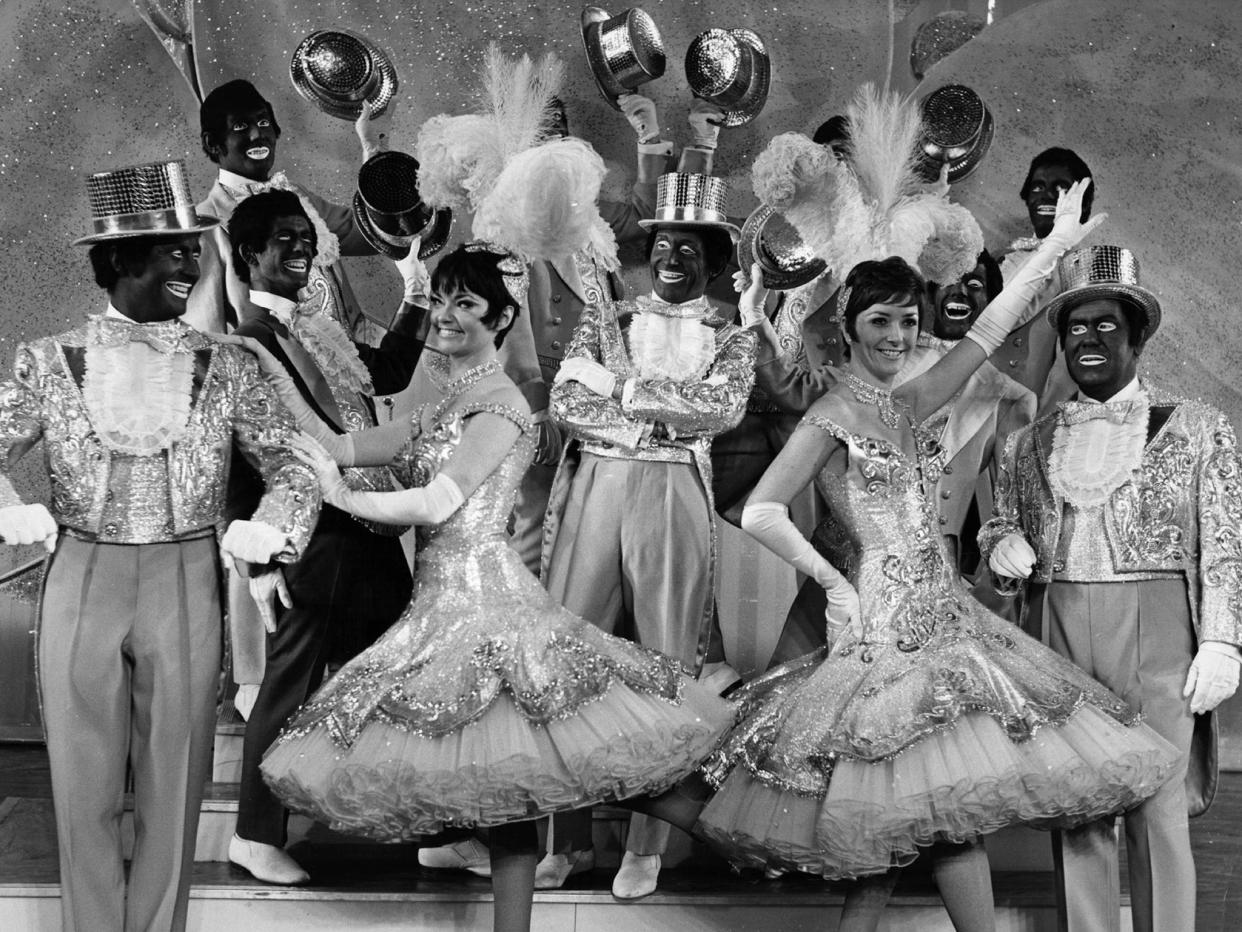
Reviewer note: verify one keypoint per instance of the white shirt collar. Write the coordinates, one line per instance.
(1130, 392)
(235, 181)
(273, 302)
(115, 314)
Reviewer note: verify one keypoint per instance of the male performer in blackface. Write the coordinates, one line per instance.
(353, 580)
(139, 413)
(1123, 509)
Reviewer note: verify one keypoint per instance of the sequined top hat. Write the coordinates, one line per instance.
(142, 200)
(684, 199)
(1103, 272)
(624, 51)
(731, 69)
(769, 239)
(957, 128)
(337, 70)
(389, 212)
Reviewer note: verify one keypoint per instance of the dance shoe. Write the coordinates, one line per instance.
(555, 869)
(469, 854)
(637, 876)
(266, 862)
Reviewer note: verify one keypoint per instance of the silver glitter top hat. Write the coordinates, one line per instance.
(1103, 272)
(769, 239)
(337, 70)
(624, 51)
(957, 128)
(142, 200)
(389, 212)
(685, 199)
(730, 68)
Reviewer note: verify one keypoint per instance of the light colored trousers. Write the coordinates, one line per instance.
(1136, 638)
(129, 660)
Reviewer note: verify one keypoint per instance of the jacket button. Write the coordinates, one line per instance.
(1058, 566)
(948, 470)
(110, 529)
(387, 402)
(556, 344)
(945, 493)
(554, 321)
(1017, 341)
(832, 341)
(556, 299)
(944, 520)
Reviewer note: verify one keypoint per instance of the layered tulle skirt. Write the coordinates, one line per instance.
(489, 703)
(846, 762)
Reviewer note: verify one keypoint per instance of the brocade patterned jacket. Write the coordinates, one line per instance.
(1179, 513)
(177, 490)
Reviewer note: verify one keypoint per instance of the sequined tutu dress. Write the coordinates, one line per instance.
(487, 702)
(941, 723)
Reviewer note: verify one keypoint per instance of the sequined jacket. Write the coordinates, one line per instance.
(1181, 511)
(231, 404)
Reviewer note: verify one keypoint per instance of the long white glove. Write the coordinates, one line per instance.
(434, 503)
(598, 379)
(1016, 302)
(414, 275)
(753, 297)
(28, 524)
(641, 112)
(1013, 557)
(769, 523)
(373, 131)
(1213, 676)
(253, 541)
(704, 119)
(341, 446)
(265, 589)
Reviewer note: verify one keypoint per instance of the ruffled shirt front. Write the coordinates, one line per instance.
(1097, 446)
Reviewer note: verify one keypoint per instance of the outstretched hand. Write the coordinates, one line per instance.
(271, 367)
(1067, 225)
(753, 295)
(313, 453)
(373, 131)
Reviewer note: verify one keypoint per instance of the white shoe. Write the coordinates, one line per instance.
(555, 869)
(637, 876)
(719, 677)
(266, 862)
(467, 855)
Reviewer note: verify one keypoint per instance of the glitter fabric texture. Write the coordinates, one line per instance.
(941, 721)
(487, 701)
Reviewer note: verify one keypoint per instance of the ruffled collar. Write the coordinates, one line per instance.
(320, 335)
(671, 341)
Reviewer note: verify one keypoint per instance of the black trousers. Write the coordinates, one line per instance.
(349, 587)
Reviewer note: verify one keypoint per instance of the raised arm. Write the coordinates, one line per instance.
(1009, 310)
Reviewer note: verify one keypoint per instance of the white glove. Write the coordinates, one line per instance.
(1016, 303)
(752, 305)
(331, 483)
(704, 119)
(265, 589)
(415, 275)
(253, 541)
(641, 112)
(28, 524)
(1013, 557)
(595, 377)
(1213, 676)
(844, 613)
(244, 699)
(372, 131)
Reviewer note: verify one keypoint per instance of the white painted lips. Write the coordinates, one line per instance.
(670, 278)
(1046, 210)
(258, 153)
(1092, 359)
(180, 290)
(299, 266)
(956, 310)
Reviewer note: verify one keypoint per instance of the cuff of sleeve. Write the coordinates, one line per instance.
(655, 147)
(627, 394)
(1224, 649)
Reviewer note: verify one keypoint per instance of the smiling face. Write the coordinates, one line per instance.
(678, 264)
(159, 290)
(1098, 352)
(283, 266)
(1046, 183)
(883, 336)
(249, 144)
(955, 306)
(457, 324)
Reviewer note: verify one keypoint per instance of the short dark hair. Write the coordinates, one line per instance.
(253, 221)
(994, 281)
(717, 247)
(880, 281)
(1136, 321)
(232, 97)
(834, 130)
(470, 268)
(1071, 162)
(130, 252)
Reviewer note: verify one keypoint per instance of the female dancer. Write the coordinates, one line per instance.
(486, 704)
(927, 721)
